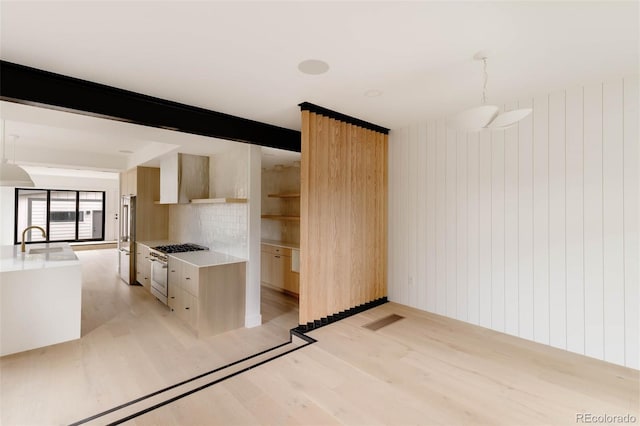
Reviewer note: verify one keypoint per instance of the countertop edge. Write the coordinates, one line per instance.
(276, 243)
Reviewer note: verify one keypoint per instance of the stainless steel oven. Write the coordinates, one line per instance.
(159, 270)
(159, 287)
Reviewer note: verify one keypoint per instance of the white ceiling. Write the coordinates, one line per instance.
(241, 57)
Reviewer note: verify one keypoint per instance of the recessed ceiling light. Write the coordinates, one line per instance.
(373, 93)
(313, 66)
(125, 151)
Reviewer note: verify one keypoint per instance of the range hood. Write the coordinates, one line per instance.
(184, 177)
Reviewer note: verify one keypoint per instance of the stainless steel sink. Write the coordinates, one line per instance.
(45, 250)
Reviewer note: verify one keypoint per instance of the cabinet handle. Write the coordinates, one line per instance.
(173, 270)
(172, 297)
(187, 278)
(187, 307)
(277, 257)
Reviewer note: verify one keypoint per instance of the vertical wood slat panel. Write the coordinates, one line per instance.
(462, 290)
(441, 219)
(631, 137)
(384, 150)
(484, 219)
(343, 216)
(593, 268)
(613, 221)
(305, 176)
(473, 253)
(557, 217)
(497, 232)
(326, 264)
(541, 219)
(525, 223)
(431, 217)
(332, 231)
(574, 220)
(511, 227)
(450, 224)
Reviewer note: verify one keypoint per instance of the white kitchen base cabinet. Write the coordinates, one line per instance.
(40, 299)
(210, 300)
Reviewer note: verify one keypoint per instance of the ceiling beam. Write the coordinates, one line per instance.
(32, 86)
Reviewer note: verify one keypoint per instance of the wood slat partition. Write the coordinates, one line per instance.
(343, 214)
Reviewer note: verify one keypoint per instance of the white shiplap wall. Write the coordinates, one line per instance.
(532, 230)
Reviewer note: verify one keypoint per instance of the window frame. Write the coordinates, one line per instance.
(17, 233)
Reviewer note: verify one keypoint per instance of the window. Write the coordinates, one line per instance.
(65, 215)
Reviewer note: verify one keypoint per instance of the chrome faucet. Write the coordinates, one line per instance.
(44, 234)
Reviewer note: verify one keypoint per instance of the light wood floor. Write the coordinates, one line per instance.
(131, 345)
(423, 369)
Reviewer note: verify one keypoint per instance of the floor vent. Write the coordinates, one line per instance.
(382, 322)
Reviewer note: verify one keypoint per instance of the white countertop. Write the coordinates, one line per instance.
(12, 259)
(203, 259)
(295, 246)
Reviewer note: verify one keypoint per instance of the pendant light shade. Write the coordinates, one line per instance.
(486, 116)
(12, 174)
(509, 118)
(474, 118)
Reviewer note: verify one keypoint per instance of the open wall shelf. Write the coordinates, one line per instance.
(281, 217)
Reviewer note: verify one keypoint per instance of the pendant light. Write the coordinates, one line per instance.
(486, 116)
(12, 174)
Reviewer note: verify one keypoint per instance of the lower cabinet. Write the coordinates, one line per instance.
(143, 266)
(276, 270)
(210, 300)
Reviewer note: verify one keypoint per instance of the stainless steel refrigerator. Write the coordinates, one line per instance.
(127, 239)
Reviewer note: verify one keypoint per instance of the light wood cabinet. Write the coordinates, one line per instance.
(174, 282)
(143, 266)
(191, 279)
(210, 300)
(129, 182)
(276, 271)
(291, 281)
(152, 220)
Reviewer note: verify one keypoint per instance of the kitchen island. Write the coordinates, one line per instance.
(40, 296)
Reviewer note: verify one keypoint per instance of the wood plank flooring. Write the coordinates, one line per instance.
(423, 369)
(131, 345)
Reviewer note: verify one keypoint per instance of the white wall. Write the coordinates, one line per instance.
(57, 181)
(221, 227)
(531, 231)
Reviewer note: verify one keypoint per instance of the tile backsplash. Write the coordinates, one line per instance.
(221, 227)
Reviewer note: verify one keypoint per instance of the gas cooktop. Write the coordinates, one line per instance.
(179, 248)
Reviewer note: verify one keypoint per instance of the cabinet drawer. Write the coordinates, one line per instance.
(283, 251)
(190, 274)
(175, 272)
